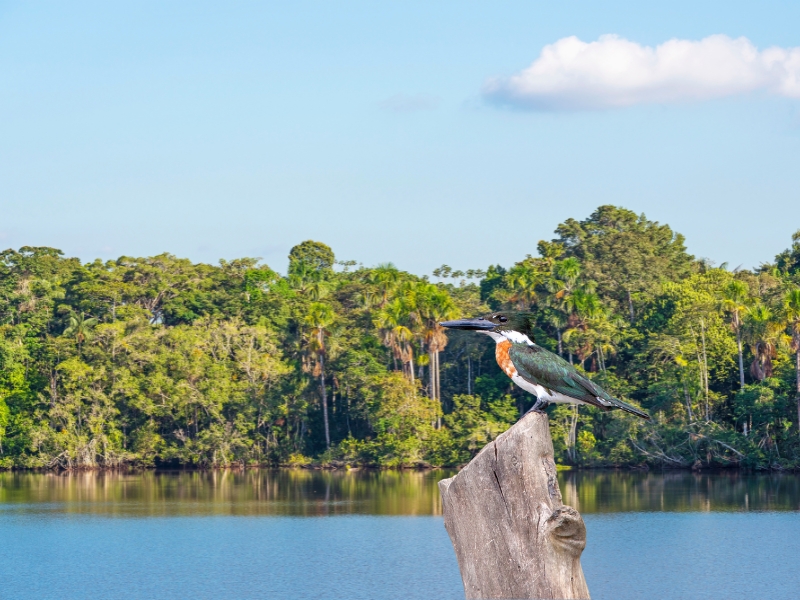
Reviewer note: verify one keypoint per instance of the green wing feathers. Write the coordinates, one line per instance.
(542, 367)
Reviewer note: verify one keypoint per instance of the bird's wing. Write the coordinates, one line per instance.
(542, 367)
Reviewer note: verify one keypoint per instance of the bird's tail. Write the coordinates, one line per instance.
(631, 409)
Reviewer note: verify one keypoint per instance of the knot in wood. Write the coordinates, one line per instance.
(567, 531)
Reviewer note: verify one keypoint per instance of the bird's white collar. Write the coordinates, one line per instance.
(512, 336)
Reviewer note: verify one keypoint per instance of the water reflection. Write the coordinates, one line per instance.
(253, 492)
(679, 491)
(320, 493)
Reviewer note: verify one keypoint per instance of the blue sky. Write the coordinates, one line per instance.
(218, 130)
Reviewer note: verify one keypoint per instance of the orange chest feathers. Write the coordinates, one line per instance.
(503, 359)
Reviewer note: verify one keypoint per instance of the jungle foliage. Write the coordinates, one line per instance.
(161, 361)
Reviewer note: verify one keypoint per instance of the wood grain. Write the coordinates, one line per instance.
(513, 536)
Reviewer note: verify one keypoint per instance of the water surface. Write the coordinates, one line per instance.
(365, 534)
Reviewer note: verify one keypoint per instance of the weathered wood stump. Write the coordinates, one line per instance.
(512, 535)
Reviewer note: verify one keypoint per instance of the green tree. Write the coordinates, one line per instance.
(4, 418)
(393, 320)
(763, 331)
(735, 300)
(80, 328)
(319, 320)
(586, 317)
(626, 254)
(521, 284)
(561, 285)
(702, 334)
(313, 255)
(385, 278)
(788, 261)
(170, 362)
(431, 305)
(792, 308)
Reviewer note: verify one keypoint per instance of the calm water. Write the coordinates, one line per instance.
(312, 534)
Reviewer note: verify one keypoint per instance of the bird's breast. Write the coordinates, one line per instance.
(503, 359)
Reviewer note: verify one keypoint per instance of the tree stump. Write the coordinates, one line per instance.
(513, 536)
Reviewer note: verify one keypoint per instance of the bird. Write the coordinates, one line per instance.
(535, 369)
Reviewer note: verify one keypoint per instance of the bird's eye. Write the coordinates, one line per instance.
(502, 319)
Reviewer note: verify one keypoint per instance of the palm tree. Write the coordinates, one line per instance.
(565, 277)
(605, 329)
(734, 301)
(591, 328)
(522, 281)
(581, 306)
(309, 281)
(562, 285)
(384, 278)
(558, 320)
(430, 305)
(80, 328)
(396, 335)
(791, 306)
(763, 332)
(319, 319)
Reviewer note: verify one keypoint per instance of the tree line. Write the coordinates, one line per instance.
(163, 362)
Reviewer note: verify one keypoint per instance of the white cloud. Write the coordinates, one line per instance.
(613, 72)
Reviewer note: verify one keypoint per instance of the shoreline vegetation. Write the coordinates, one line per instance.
(163, 363)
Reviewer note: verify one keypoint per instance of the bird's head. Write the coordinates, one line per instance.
(514, 326)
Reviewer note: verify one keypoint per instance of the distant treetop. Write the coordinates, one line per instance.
(314, 255)
(789, 260)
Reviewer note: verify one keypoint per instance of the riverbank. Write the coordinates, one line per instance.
(346, 467)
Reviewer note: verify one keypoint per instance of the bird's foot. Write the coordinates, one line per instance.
(538, 406)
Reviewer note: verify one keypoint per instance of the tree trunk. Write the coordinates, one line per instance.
(573, 434)
(797, 371)
(630, 307)
(469, 375)
(53, 388)
(688, 400)
(560, 342)
(324, 396)
(741, 360)
(705, 368)
(512, 535)
(705, 358)
(702, 370)
(438, 376)
(439, 393)
(433, 377)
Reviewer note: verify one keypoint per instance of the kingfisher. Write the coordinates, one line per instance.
(536, 370)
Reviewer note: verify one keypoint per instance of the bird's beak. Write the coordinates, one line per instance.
(469, 324)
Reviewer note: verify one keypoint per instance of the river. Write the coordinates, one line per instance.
(373, 535)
